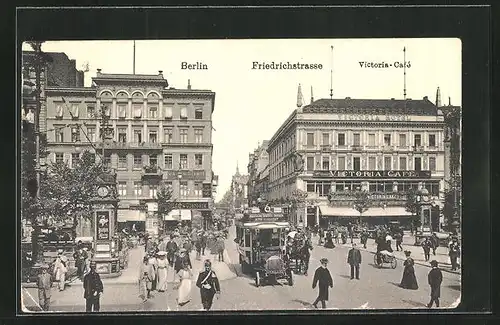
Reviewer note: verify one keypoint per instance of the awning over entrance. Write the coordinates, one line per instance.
(176, 215)
(372, 212)
(130, 215)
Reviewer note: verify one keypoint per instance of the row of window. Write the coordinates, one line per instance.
(323, 188)
(138, 160)
(184, 135)
(138, 190)
(122, 111)
(388, 140)
(341, 140)
(340, 163)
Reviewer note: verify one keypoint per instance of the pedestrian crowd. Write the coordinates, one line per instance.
(172, 253)
(384, 237)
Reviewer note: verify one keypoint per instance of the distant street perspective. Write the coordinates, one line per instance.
(131, 201)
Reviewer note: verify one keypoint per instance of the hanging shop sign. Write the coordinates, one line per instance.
(373, 173)
(185, 174)
(189, 205)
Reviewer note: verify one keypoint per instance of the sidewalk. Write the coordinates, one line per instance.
(417, 253)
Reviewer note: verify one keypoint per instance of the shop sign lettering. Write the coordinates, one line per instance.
(373, 174)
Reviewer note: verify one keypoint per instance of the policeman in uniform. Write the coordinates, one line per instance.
(44, 284)
(209, 285)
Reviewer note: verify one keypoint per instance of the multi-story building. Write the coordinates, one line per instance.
(334, 147)
(239, 190)
(258, 162)
(160, 134)
(58, 71)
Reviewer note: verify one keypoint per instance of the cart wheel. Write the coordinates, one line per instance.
(394, 263)
(257, 279)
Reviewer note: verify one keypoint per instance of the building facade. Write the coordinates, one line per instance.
(58, 71)
(334, 147)
(258, 172)
(160, 135)
(239, 190)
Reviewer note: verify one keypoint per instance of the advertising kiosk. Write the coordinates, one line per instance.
(105, 204)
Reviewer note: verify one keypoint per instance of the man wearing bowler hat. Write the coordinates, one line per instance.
(93, 289)
(435, 278)
(354, 260)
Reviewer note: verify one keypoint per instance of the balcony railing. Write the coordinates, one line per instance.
(130, 145)
(326, 148)
(418, 148)
(151, 171)
(357, 148)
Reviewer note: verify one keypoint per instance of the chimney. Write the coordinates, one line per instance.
(189, 84)
(438, 97)
(312, 96)
(99, 71)
(393, 99)
(160, 72)
(348, 98)
(426, 98)
(449, 101)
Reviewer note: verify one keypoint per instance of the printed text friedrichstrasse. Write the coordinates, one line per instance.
(286, 66)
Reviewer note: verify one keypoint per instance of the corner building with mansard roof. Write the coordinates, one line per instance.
(160, 134)
(333, 147)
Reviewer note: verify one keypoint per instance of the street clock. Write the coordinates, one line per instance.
(102, 191)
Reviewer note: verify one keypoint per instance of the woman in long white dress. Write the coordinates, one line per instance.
(184, 293)
(153, 261)
(161, 265)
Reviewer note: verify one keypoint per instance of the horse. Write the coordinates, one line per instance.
(300, 253)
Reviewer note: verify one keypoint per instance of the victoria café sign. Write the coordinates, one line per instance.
(373, 173)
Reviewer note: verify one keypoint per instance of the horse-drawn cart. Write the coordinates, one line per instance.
(261, 238)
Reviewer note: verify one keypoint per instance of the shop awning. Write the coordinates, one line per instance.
(131, 215)
(176, 213)
(371, 212)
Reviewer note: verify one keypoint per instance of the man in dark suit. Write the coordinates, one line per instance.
(172, 249)
(435, 278)
(354, 260)
(323, 279)
(93, 289)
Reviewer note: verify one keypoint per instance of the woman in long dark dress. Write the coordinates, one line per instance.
(409, 281)
(329, 240)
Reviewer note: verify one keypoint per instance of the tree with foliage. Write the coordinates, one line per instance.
(362, 201)
(164, 197)
(411, 206)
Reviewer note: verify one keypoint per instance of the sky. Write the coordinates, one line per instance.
(251, 104)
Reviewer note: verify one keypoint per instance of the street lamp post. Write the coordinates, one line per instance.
(179, 176)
